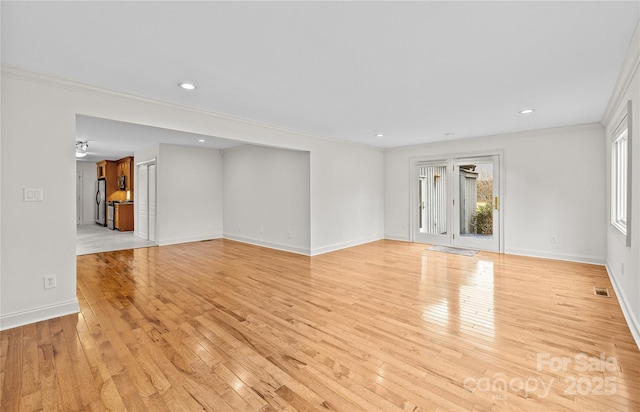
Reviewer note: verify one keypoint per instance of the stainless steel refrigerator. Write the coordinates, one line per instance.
(101, 202)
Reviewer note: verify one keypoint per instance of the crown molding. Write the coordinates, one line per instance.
(19, 73)
(524, 133)
(627, 72)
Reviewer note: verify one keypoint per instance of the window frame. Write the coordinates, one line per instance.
(620, 194)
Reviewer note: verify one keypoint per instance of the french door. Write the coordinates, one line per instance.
(459, 202)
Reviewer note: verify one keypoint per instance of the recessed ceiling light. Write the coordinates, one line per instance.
(187, 86)
(527, 111)
(379, 135)
(201, 140)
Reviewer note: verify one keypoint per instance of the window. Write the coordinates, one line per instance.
(619, 176)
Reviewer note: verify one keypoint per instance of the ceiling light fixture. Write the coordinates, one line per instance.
(527, 111)
(201, 140)
(187, 86)
(379, 135)
(81, 148)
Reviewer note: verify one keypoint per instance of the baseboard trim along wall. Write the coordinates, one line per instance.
(632, 321)
(271, 245)
(344, 245)
(569, 258)
(402, 238)
(167, 242)
(530, 253)
(13, 320)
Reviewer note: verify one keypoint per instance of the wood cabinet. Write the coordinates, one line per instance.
(125, 174)
(123, 217)
(101, 168)
(119, 178)
(108, 170)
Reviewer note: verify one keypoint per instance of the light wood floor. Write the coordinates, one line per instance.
(385, 326)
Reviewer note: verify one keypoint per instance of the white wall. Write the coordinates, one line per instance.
(626, 281)
(88, 191)
(267, 197)
(554, 185)
(38, 238)
(189, 194)
(347, 197)
(38, 137)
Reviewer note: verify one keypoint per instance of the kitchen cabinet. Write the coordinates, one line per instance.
(123, 217)
(101, 168)
(108, 170)
(118, 177)
(125, 173)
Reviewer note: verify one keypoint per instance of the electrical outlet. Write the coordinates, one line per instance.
(261, 231)
(49, 281)
(553, 239)
(289, 234)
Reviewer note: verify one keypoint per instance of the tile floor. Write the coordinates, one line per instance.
(93, 238)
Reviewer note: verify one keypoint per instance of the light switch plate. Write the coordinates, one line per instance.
(33, 194)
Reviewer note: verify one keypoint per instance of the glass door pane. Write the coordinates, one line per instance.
(432, 207)
(476, 203)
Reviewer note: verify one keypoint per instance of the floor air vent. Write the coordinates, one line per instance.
(601, 292)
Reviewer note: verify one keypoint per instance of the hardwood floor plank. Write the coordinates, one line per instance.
(78, 358)
(12, 373)
(383, 326)
(67, 395)
(46, 368)
(4, 347)
(31, 396)
(177, 396)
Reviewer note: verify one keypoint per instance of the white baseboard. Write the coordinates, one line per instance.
(632, 321)
(13, 320)
(397, 237)
(343, 245)
(546, 255)
(175, 241)
(530, 253)
(270, 245)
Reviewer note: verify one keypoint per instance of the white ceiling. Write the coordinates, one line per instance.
(112, 140)
(343, 70)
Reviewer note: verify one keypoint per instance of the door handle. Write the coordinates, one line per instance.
(496, 203)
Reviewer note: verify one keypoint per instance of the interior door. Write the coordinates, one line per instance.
(476, 203)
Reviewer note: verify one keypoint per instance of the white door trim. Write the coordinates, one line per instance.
(79, 197)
